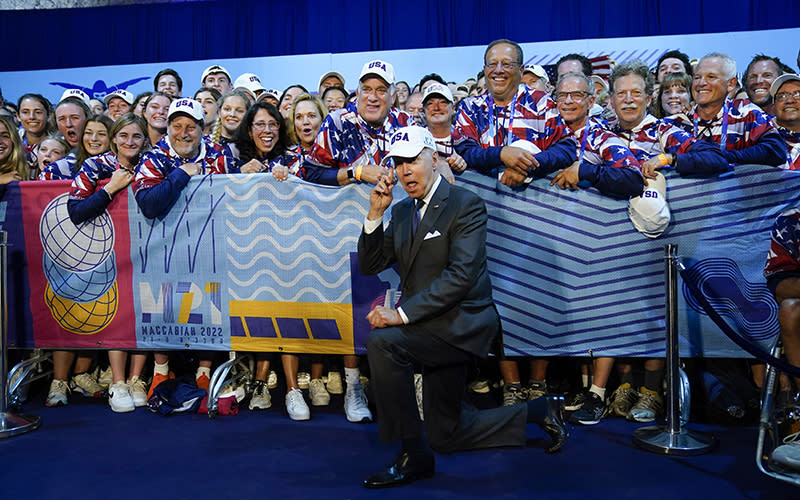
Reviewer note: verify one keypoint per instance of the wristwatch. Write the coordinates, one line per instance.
(351, 175)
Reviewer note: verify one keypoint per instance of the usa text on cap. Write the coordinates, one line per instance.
(381, 69)
(186, 106)
(122, 94)
(408, 142)
(77, 94)
(249, 81)
(437, 89)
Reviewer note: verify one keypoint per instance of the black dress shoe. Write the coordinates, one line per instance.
(405, 469)
(553, 424)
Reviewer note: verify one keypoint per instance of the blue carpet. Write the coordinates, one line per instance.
(85, 451)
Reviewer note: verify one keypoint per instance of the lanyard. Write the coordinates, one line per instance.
(723, 139)
(373, 146)
(200, 158)
(493, 124)
(583, 142)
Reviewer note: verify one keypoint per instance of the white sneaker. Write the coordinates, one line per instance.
(303, 379)
(138, 389)
(105, 378)
(58, 393)
(261, 399)
(334, 384)
(236, 390)
(787, 456)
(120, 398)
(319, 396)
(272, 379)
(296, 406)
(355, 405)
(84, 383)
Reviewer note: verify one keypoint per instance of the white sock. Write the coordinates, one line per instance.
(584, 380)
(161, 369)
(600, 391)
(352, 376)
(202, 370)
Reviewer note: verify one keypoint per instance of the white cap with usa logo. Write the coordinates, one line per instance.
(408, 142)
(185, 106)
(381, 69)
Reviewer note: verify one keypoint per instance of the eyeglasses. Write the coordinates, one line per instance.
(503, 65)
(576, 96)
(784, 96)
(263, 125)
(380, 91)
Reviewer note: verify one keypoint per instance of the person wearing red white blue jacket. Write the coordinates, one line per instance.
(353, 141)
(743, 132)
(489, 123)
(166, 169)
(128, 140)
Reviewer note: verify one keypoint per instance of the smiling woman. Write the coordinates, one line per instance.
(13, 166)
(95, 138)
(231, 108)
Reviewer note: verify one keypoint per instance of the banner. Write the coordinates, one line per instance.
(243, 262)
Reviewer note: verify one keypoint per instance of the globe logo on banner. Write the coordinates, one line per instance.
(80, 269)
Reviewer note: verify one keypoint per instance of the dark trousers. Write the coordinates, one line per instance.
(451, 424)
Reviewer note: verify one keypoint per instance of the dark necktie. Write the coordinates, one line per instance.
(419, 203)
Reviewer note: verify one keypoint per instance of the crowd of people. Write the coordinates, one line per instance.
(515, 122)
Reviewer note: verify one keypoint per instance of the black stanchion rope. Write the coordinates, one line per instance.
(739, 340)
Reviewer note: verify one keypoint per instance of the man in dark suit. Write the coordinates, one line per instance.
(445, 321)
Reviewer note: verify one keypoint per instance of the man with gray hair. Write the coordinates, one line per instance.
(656, 143)
(742, 130)
(603, 160)
(352, 143)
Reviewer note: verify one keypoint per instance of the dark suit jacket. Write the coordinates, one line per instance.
(445, 282)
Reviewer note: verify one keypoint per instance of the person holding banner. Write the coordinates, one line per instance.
(163, 173)
(350, 148)
(488, 123)
(742, 131)
(256, 147)
(446, 319)
(128, 140)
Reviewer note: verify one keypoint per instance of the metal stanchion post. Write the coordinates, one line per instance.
(10, 423)
(673, 439)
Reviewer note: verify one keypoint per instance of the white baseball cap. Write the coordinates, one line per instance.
(381, 69)
(526, 146)
(249, 81)
(186, 106)
(77, 94)
(214, 69)
(437, 89)
(408, 142)
(786, 77)
(649, 212)
(269, 93)
(536, 70)
(122, 94)
(329, 74)
(599, 79)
